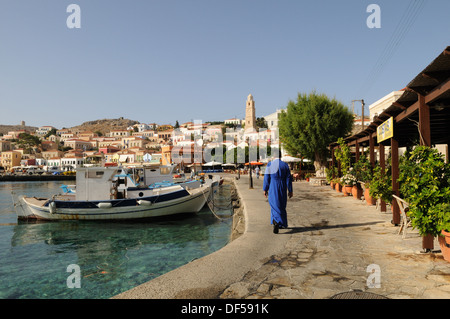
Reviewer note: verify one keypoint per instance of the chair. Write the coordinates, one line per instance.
(405, 222)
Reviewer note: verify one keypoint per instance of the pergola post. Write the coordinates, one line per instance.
(333, 160)
(372, 150)
(425, 139)
(424, 122)
(356, 151)
(395, 184)
(383, 167)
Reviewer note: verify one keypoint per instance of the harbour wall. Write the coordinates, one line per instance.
(36, 178)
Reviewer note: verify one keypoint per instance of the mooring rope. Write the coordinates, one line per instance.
(212, 206)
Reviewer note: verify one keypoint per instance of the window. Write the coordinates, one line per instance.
(94, 174)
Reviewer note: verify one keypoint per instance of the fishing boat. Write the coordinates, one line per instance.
(105, 193)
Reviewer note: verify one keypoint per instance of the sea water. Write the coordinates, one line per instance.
(112, 257)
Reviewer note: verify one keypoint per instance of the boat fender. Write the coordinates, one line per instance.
(52, 207)
(104, 205)
(144, 202)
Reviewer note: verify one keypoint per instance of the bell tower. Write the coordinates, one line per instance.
(250, 118)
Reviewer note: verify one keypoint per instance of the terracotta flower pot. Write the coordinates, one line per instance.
(356, 192)
(369, 200)
(338, 187)
(444, 242)
(348, 190)
(332, 185)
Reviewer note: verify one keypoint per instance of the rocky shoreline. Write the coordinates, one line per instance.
(238, 226)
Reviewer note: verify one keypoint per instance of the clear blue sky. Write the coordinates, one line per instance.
(167, 60)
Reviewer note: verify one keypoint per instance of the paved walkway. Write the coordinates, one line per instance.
(333, 239)
(327, 249)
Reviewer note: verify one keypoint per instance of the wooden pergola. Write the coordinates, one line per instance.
(421, 115)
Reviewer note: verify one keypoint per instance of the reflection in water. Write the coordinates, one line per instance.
(113, 256)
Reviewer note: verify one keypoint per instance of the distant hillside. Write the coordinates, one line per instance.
(105, 125)
(4, 129)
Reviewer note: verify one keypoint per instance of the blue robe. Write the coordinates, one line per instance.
(278, 181)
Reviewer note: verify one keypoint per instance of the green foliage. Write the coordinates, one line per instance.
(330, 172)
(50, 133)
(311, 123)
(235, 156)
(363, 169)
(424, 184)
(381, 184)
(343, 156)
(28, 141)
(261, 122)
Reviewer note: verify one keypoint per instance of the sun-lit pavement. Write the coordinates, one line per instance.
(339, 244)
(334, 244)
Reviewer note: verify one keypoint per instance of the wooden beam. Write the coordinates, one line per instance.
(428, 76)
(406, 113)
(411, 89)
(399, 105)
(437, 92)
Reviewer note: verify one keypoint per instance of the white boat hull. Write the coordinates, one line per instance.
(29, 207)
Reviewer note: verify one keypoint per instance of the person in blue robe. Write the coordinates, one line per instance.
(277, 187)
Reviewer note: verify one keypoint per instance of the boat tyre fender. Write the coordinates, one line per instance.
(104, 205)
(144, 202)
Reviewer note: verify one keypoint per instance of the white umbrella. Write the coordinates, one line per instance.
(212, 163)
(288, 159)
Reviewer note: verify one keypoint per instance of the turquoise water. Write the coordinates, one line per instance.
(112, 256)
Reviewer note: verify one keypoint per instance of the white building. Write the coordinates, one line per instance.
(43, 130)
(69, 163)
(382, 104)
(54, 162)
(233, 121)
(141, 127)
(272, 119)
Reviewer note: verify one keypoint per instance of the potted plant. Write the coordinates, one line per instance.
(425, 185)
(364, 175)
(343, 155)
(348, 180)
(356, 188)
(330, 173)
(381, 185)
(307, 176)
(337, 184)
(444, 226)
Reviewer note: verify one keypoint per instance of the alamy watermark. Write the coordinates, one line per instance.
(74, 279)
(74, 19)
(374, 19)
(199, 144)
(374, 279)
